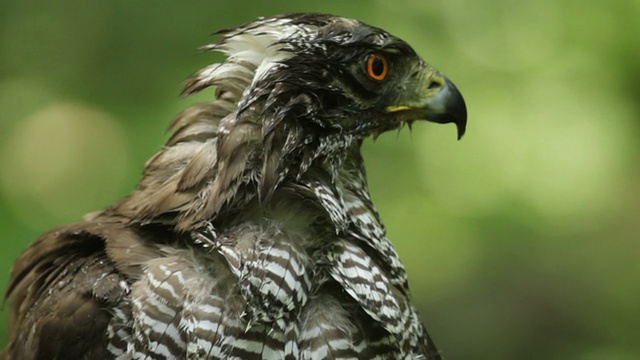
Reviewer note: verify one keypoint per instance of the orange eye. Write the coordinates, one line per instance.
(377, 66)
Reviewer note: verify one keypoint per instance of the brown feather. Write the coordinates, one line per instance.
(52, 287)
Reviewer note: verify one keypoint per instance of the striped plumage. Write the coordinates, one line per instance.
(252, 234)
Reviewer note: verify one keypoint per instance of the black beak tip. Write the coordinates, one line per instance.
(461, 130)
(458, 109)
(461, 120)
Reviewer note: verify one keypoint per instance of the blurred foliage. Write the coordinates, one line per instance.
(521, 241)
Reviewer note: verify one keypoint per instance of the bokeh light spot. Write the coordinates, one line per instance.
(63, 161)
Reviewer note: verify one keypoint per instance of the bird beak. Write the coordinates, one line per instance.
(436, 100)
(446, 106)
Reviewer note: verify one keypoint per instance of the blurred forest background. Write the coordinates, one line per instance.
(522, 241)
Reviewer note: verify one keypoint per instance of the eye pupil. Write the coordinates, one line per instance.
(377, 66)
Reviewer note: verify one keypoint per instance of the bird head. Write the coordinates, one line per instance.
(362, 79)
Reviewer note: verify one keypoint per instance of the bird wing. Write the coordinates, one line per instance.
(62, 287)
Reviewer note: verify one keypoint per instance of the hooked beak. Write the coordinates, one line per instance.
(447, 106)
(437, 100)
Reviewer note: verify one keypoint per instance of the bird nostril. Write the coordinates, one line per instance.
(434, 85)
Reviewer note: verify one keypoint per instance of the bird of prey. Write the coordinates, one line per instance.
(252, 234)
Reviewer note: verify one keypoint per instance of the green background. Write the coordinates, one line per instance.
(521, 241)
